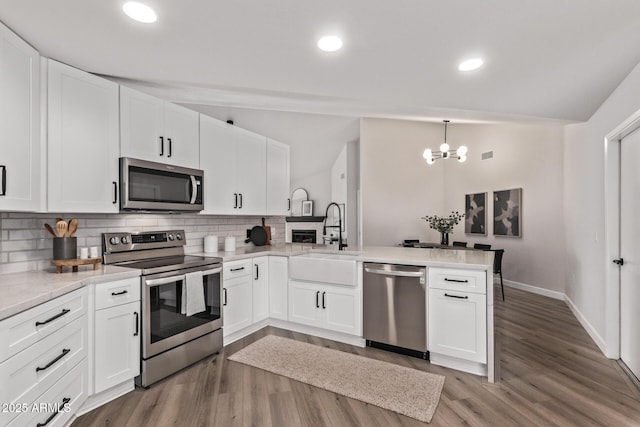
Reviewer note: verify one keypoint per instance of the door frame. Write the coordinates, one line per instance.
(612, 144)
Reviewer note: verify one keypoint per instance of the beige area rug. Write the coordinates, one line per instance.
(404, 390)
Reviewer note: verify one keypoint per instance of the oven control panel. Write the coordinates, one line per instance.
(141, 240)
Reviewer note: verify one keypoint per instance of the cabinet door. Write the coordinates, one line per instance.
(251, 172)
(278, 284)
(218, 160)
(83, 141)
(278, 198)
(458, 324)
(141, 120)
(182, 136)
(260, 288)
(117, 345)
(304, 303)
(341, 308)
(21, 147)
(237, 304)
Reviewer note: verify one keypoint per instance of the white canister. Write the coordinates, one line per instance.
(229, 244)
(211, 244)
(84, 253)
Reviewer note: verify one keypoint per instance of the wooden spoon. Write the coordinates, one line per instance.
(73, 226)
(50, 230)
(61, 226)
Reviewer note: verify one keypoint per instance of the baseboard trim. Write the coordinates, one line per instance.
(535, 290)
(595, 336)
(96, 400)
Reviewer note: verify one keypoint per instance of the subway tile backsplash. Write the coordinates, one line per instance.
(25, 244)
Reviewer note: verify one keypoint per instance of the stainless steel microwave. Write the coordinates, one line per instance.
(151, 186)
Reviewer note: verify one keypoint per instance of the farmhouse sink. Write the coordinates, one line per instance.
(324, 268)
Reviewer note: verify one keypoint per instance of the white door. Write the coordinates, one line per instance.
(83, 141)
(278, 285)
(341, 309)
(117, 346)
(20, 144)
(630, 252)
(260, 288)
(278, 201)
(304, 303)
(141, 123)
(182, 136)
(237, 304)
(251, 158)
(218, 161)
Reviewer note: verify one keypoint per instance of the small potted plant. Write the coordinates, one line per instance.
(444, 224)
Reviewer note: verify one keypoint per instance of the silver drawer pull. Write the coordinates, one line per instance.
(455, 280)
(51, 319)
(65, 351)
(456, 296)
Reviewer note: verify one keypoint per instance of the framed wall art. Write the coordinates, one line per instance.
(307, 208)
(507, 213)
(475, 217)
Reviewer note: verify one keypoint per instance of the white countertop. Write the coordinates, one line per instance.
(22, 291)
(451, 258)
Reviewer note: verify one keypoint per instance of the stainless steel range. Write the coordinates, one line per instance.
(181, 299)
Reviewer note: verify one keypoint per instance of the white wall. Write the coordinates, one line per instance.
(584, 202)
(398, 188)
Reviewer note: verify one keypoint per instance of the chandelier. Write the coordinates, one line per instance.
(445, 151)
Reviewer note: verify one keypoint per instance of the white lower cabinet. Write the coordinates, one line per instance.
(117, 333)
(459, 324)
(278, 287)
(335, 308)
(260, 288)
(58, 404)
(237, 296)
(52, 365)
(457, 316)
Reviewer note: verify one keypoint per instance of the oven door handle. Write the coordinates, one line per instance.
(163, 281)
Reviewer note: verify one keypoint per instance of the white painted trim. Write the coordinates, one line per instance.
(600, 342)
(475, 368)
(612, 232)
(534, 289)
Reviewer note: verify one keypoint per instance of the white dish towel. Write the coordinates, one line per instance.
(193, 294)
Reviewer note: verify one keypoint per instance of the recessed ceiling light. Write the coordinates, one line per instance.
(139, 12)
(330, 43)
(470, 64)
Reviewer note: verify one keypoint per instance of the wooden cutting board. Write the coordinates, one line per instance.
(267, 228)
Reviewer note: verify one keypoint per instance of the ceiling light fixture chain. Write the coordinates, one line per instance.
(445, 152)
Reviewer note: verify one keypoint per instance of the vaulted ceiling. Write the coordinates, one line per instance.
(544, 59)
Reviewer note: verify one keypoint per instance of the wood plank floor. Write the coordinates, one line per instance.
(551, 374)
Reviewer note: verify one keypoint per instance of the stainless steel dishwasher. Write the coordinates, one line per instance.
(394, 307)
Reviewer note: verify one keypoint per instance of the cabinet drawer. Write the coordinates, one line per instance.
(236, 269)
(64, 400)
(27, 375)
(119, 292)
(24, 329)
(458, 280)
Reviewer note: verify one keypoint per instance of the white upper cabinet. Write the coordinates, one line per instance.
(156, 130)
(234, 164)
(278, 201)
(83, 133)
(21, 147)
